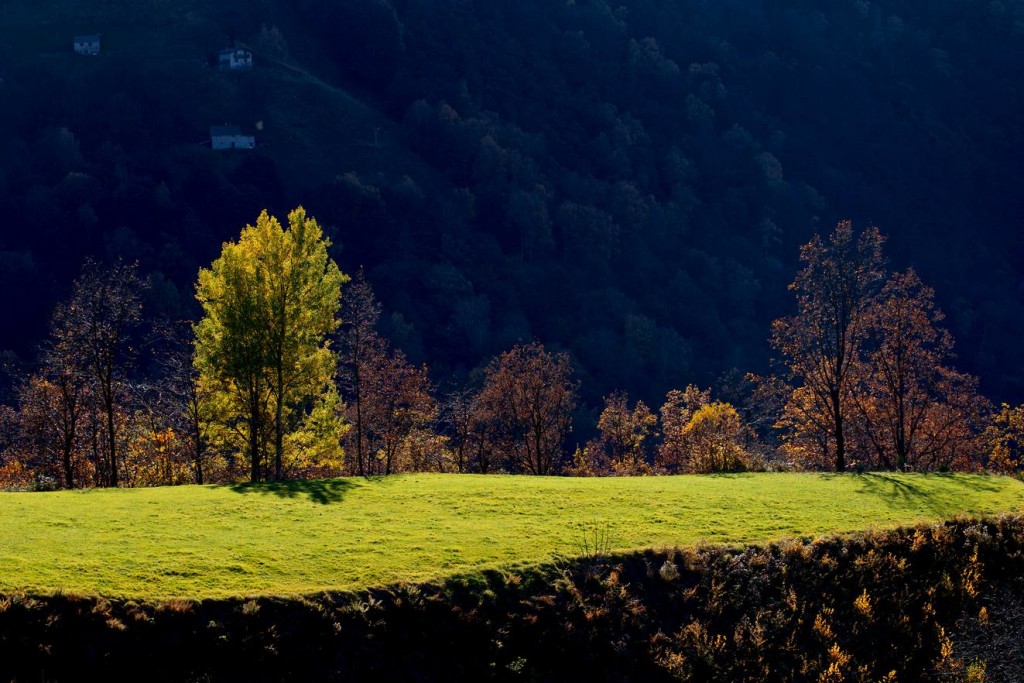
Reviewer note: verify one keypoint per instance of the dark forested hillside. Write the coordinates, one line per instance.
(626, 179)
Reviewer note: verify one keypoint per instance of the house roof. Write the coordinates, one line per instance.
(220, 131)
(93, 38)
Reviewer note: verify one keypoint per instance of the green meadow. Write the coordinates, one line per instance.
(305, 537)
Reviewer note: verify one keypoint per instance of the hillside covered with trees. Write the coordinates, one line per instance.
(625, 181)
(291, 279)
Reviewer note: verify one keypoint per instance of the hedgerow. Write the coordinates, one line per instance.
(879, 606)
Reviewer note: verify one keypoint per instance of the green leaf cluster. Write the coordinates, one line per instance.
(270, 304)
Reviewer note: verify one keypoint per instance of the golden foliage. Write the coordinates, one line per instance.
(1005, 439)
(270, 302)
(622, 447)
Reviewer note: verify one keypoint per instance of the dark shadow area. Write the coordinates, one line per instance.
(381, 479)
(907, 491)
(728, 475)
(889, 486)
(322, 491)
(980, 482)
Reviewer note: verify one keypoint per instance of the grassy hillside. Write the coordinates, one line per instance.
(302, 537)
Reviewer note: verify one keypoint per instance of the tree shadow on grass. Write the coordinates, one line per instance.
(972, 482)
(322, 491)
(905, 490)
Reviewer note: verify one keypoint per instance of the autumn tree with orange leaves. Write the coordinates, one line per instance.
(389, 402)
(822, 345)
(53, 406)
(465, 419)
(712, 440)
(624, 436)
(361, 347)
(79, 398)
(528, 396)
(916, 411)
(1005, 440)
(398, 410)
(869, 366)
(679, 406)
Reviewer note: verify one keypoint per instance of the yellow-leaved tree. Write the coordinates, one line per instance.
(270, 303)
(713, 439)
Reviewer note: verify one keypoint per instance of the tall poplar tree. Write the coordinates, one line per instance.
(270, 304)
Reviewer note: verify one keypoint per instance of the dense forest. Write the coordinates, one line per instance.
(625, 181)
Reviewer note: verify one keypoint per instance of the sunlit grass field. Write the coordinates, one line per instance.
(305, 537)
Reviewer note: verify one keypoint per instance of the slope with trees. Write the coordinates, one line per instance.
(627, 181)
(866, 379)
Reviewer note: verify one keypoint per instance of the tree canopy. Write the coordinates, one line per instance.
(270, 303)
(822, 344)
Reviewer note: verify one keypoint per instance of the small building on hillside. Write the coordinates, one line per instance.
(87, 45)
(234, 59)
(230, 137)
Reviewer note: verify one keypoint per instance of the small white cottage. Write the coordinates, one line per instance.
(234, 59)
(87, 45)
(230, 137)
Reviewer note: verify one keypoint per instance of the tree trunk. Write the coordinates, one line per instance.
(901, 447)
(839, 435)
(69, 474)
(97, 464)
(538, 458)
(359, 420)
(359, 438)
(481, 460)
(112, 440)
(901, 432)
(279, 426)
(199, 454)
(70, 420)
(254, 428)
(254, 474)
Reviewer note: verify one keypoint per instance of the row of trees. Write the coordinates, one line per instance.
(287, 375)
(696, 435)
(71, 409)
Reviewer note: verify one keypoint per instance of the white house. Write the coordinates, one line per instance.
(87, 45)
(230, 137)
(234, 59)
